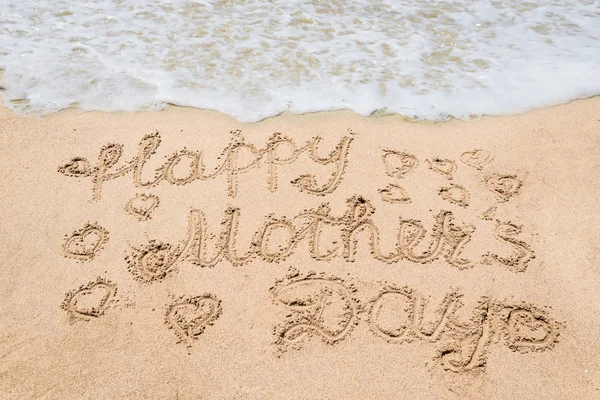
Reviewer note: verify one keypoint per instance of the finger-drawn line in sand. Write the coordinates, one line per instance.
(278, 238)
(397, 163)
(444, 166)
(477, 158)
(529, 329)
(236, 160)
(329, 308)
(85, 243)
(468, 343)
(397, 315)
(455, 194)
(78, 167)
(522, 253)
(338, 157)
(154, 261)
(189, 316)
(503, 186)
(318, 306)
(89, 301)
(142, 205)
(275, 156)
(487, 215)
(394, 194)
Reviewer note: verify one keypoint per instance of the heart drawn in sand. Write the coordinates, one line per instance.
(444, 166)
(503, 186)
(455, 194)
(190, 316)
(397, 164)
(477, 158)
(394, 194)
(142, 205)
(90, 301)
(526, 330)
(86, 242)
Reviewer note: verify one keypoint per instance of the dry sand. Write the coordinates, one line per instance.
(183, 255)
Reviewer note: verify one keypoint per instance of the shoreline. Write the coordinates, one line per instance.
(5, 111)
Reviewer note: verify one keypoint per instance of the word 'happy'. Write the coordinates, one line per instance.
(237, 158)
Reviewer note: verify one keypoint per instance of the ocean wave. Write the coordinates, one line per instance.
(255, 59)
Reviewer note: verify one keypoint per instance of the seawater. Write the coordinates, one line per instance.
(254, 59)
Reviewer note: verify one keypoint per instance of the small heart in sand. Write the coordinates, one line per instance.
(90, 301)
(527, 329)
(394, 194)
(397, 164)
(142, 205)
(455, 194)
(503, 186)
(189, 317)
(477, 158)
(85, 243)
(445, 167)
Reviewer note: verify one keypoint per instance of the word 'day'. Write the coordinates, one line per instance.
(328, 308)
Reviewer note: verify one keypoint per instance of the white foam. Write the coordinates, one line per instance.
(254, 59)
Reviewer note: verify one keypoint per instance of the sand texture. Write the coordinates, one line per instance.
(183, 255)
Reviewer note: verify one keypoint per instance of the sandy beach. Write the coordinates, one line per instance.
(181, 254)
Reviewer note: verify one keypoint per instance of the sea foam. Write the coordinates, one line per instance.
(423, 59)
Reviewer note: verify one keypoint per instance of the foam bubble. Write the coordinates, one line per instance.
(254, 59)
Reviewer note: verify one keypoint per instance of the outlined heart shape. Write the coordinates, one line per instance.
(444, 166)
(394, 194)
(397, 163)
(142, 205)
(85, 243)
(503, 186)
(455, 194)
(189, 317)
(90, 301)
(529, 330)
(477, 158)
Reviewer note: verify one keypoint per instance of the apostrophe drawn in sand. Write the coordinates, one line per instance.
(455, 194)
(188, 317)
(89, 301)
(487, 214)
(319, 307)
(503, 186)
(142, 205)
(397, 163)
(85, 243)
(394, 194)
(153, 261)
(443, 166)
(477, 158)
